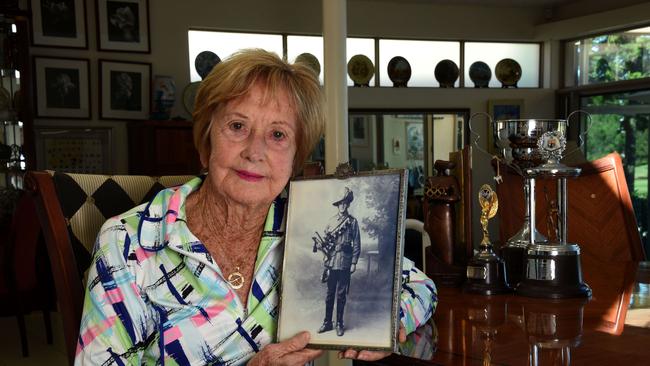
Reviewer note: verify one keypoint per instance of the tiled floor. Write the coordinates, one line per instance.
(40, 353)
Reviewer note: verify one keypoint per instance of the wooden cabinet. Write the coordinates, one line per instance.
(162, 148)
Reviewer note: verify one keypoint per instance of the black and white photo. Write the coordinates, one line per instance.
(59, 23)
(62, 87)
(123, 25)
(124, 89)
(342, 260)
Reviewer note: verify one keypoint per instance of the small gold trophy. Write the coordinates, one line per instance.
(486, 272)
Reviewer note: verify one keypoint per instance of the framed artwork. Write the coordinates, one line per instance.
(123, 25)
(359, 130)
(501, 109)
(60, 23)
(74, 149)
(124, 91)
(62, 87)
(343, 251)
(414, 140)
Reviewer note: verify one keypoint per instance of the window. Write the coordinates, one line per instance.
(226, 43)
(609, 57)
(423, 56)
(526, 54)
(620, 123)
(620, 111)
(297, 45)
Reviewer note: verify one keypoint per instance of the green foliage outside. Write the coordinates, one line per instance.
(620, 121)
(621, 56)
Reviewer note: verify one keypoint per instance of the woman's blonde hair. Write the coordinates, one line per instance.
(235, 77)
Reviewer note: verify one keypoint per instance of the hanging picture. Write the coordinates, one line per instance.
(123, 25)
(359, 130)
(74, 149)
(62, 87)
(124, 89)
(501, 109)
(414, 141)
(343, 245)
(60, 23)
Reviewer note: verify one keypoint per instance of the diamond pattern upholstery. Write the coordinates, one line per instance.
(87, 200)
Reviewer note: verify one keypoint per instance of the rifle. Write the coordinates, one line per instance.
(324, 245)
(327, 247)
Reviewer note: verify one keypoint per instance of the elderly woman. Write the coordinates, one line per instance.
(190, 278)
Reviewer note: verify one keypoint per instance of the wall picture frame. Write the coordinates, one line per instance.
(414, 140)
(124, 90)
(359, 134)
(74, 149)
(359, 219)
(123, 25)
(62, 87)
(60, 23)
(500, 109)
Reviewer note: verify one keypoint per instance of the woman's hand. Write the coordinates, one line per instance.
(371, 355)
(286, 353)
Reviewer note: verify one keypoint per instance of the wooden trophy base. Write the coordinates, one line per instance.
(444, 274)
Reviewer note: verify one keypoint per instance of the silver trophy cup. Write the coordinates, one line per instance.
(536, 265)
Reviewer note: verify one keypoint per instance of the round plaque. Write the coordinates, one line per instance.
(309, 60)
(508, 72)
(399, 71)
(446, 73)
(189, 94)
(480, 74)
(204, 62)
(360, 70)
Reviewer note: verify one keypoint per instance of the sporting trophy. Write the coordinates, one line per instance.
(539, 266)
(486, 272)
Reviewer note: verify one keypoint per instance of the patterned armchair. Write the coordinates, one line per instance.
(71, 209)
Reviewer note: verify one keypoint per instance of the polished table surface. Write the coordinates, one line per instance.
(613, 327)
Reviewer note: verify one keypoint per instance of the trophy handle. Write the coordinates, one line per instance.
(581, 136)
(475, 136)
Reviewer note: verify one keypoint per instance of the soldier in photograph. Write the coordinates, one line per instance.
(343, 245)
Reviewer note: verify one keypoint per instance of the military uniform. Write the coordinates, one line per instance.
(342, 231)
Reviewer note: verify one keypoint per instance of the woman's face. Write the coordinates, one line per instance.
(253, 147)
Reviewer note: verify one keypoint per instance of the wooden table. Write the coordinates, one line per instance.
(611, 328)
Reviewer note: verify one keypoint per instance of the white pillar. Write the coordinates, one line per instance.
(335, 78)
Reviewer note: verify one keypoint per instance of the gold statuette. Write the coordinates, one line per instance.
(487, 199)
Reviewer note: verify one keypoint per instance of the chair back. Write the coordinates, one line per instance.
(417, 225)
(71, 209)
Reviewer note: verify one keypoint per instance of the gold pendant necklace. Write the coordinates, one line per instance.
(236, 279)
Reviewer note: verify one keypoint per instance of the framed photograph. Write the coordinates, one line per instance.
(62, 87)
(501, 109)
(123, 25)
(341, 276)
(359, 130)
(124, 91)
(59, 23)
(74, 149)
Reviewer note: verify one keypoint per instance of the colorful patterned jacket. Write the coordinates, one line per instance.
(155, 295)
